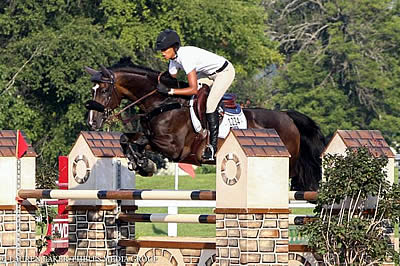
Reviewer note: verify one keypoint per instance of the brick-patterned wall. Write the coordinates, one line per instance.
(192, 257)
(96, 233)
(8, 236)
(252, 238)
(176, 256)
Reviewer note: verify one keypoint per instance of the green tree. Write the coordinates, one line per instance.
(43, 85)
(46, 44)
(342, 62)
(233, 29)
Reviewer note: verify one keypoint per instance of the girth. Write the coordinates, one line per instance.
(162, 109)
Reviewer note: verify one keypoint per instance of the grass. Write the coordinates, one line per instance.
(201, 181)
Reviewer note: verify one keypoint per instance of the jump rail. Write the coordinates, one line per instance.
(167, 218)
(135, 194)
(301, 219)
(140, 194)
(303, 195)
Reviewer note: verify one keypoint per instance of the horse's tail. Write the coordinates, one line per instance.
(312, 143)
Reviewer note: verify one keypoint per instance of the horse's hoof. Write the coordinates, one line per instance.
(151, 167)
(142, 163)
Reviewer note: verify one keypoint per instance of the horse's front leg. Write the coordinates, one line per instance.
(133, 145)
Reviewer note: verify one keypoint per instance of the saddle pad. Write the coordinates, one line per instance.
(195, 121)
(235, 110)
(236, 121)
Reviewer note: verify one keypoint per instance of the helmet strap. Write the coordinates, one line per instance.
(176, 48)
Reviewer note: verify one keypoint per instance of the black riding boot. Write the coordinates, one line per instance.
(213, 124)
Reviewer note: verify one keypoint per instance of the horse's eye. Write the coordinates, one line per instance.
(104, 91)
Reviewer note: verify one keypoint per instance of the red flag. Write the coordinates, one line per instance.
(22, 146)
(188, 168)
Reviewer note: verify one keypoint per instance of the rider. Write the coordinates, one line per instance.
(197, 63)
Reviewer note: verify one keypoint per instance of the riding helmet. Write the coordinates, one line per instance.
(166, 39)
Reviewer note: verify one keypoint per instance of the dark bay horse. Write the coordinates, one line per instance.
(168, 129)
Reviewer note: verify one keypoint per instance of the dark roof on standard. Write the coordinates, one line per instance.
(104, 144)
(8, 141)
(260, 142)
(372, 139)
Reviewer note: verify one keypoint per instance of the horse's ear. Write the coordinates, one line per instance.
(105, 71)
(91, 71)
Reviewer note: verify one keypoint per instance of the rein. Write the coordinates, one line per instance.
(118, 115)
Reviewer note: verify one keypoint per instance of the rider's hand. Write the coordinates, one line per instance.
(163, 89)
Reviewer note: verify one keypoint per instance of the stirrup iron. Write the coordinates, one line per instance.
(206, 155)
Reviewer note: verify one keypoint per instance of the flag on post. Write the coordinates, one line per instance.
(21, 146)
(188, 168)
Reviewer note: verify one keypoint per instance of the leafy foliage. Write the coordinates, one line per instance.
(205, 169)
(348, 231)
(342, 62)
(45, 216)
(46, 44)
(337, 61)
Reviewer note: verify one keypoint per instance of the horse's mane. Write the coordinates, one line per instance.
(125, 64)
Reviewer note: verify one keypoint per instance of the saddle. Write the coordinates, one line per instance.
(228, 108)
(228, 104)
(200, 103)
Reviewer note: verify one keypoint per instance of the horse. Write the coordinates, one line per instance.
(167, 127)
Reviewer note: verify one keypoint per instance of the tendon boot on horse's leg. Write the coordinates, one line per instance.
(132, 146)
(130, 151)
(146, 166)
(213, 124)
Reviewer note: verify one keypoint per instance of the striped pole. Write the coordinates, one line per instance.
(303, 195)
(301, 220)
(135, 194)
(167, 218)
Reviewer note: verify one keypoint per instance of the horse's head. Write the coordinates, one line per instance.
(124, 80)
(104, 97)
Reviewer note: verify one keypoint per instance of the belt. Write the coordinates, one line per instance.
(220, 69)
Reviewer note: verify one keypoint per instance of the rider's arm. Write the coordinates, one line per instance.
(192, 89)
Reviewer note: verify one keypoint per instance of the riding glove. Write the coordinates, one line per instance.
(161, 88)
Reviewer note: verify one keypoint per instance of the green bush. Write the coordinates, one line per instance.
(348, 231)
(206, 169)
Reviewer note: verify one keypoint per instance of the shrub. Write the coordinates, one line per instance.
(206, 169)
(347, 232)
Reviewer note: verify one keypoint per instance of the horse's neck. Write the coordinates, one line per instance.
(146, 99)
(139, 87)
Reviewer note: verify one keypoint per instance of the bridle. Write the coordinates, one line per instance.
(108, 111)
(110, 89)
